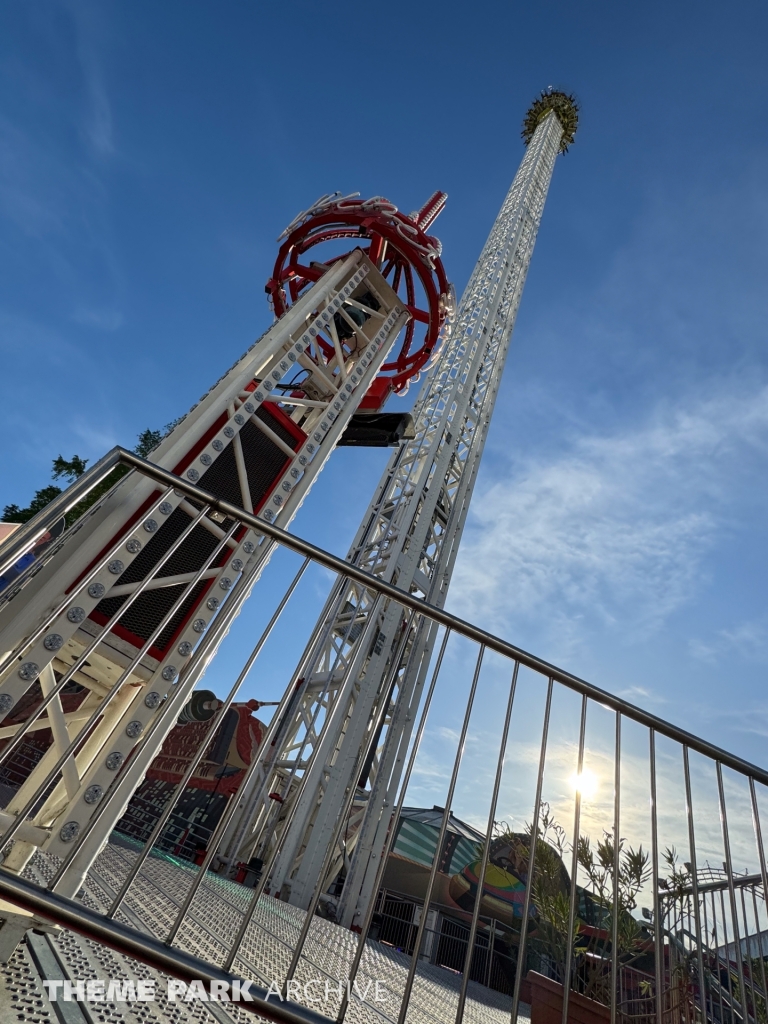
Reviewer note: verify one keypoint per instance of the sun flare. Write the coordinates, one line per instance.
(585, 783)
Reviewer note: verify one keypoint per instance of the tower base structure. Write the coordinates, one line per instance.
(108, 631)
(368, 660)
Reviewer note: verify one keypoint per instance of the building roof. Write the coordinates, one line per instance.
(417, 839)
(6, 529)
(434, 815)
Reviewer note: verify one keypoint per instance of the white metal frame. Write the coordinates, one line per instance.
(262, 938)
(409, 536)
(45, 620)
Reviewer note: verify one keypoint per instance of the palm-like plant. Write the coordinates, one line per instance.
(609, 892)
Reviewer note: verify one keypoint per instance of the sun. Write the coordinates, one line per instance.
(585, 783)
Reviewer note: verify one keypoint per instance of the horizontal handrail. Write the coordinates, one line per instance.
(147, 949)
(738, 881)
(165, 957)
(453, 622)
(22, 540)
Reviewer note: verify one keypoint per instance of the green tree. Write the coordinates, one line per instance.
(551, 900)
(634, 871)
(16, 514)
(148, 441)
(71, 469)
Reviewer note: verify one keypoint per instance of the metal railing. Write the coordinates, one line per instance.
(599, 819)
(395, 923)
(182, 836)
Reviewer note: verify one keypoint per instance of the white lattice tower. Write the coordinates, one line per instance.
(250, 441)
(360, 655)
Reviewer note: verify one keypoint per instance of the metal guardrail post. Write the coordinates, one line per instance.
(486, 849)
(704, 900)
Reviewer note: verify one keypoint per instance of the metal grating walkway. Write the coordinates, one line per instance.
(151, 906)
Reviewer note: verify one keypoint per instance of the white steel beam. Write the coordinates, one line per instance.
(409, 537)
(141, 692)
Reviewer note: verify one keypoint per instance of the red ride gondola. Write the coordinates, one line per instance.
(406, 255)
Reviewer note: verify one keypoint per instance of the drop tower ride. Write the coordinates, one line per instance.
(314, 813)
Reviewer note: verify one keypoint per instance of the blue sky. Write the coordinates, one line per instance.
(151, 153)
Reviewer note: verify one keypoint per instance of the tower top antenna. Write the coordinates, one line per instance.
(566, 109)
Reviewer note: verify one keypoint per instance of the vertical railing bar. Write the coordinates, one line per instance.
(717, 959)
(694, 877)
(269, 864)
(706, 995)
(731, 890)
(671, 932)
(392, 835)
(667, 924)
(440, 839)
(685, 916)
(90, 647)
(147, 736)
(685, 951)
(215, 838)
(364, 753)
(616, 866)
(761, 958)
(746, 939)
(727, 955)
(718, 990)
(568, 965)
(312, 655)
(486, 848)
(491, 943)
(531, 857)
(658, 948)
(763, 872)
(678, 933)
(157, 828)
(98, 711)
(618, 995)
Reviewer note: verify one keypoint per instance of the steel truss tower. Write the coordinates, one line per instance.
(119, 593)
(316, 809)
(134, 599)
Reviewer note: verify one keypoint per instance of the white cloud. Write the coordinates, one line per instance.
(641, 695)
(101, 319)
(614, 530)
(748, 639)
(91, 33)
(29, 196)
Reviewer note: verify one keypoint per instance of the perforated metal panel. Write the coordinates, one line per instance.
(22, 997)
(214, 917)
